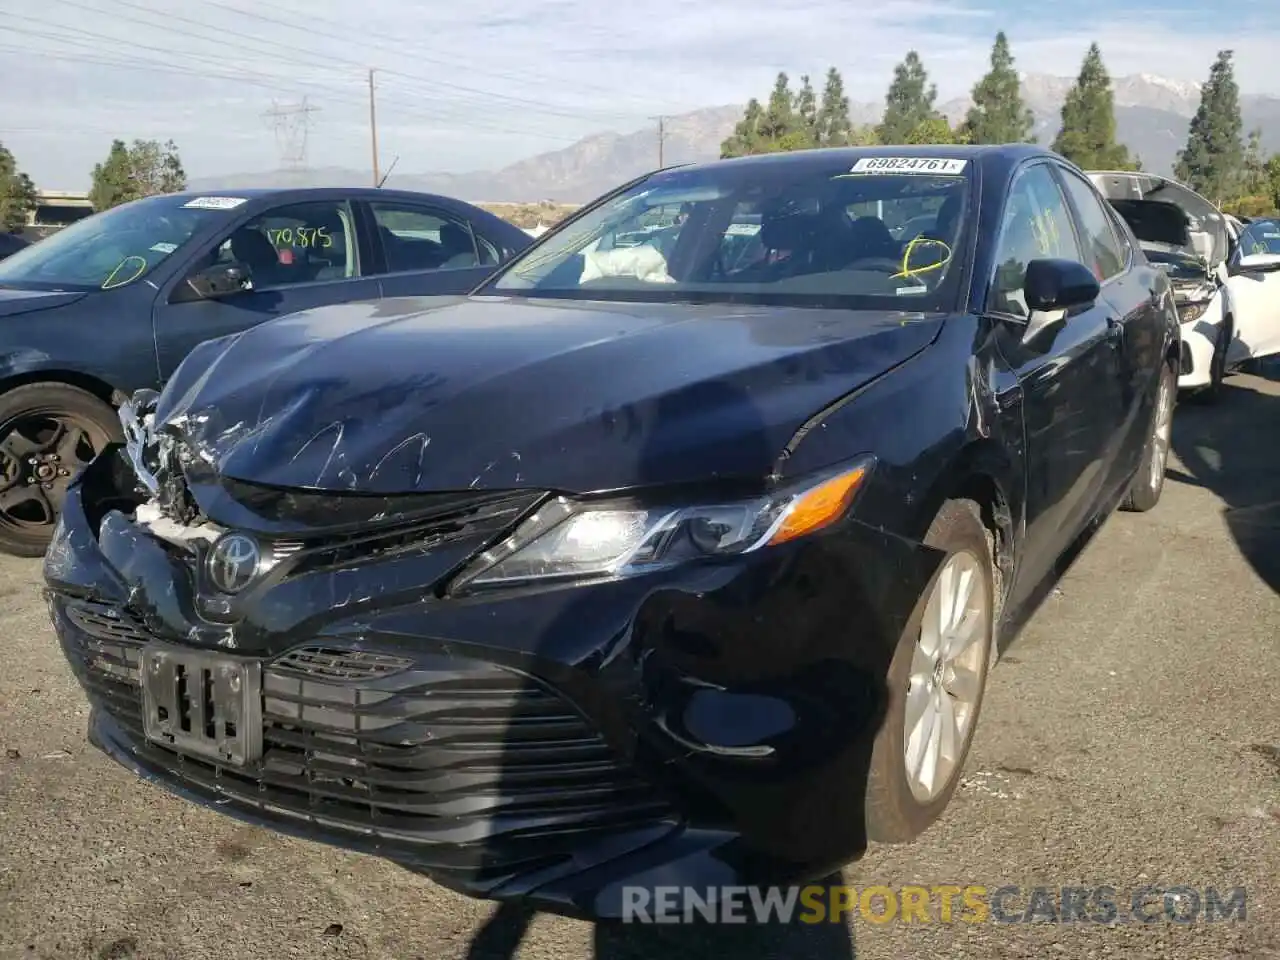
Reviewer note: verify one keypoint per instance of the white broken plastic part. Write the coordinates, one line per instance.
(149, 517)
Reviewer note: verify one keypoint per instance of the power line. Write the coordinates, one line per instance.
(274, 47)
(248, 77)
(415, 50)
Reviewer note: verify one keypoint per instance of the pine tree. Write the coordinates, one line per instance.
(1088, 134)
(780, 123)
(998, 114)
(832, 126)
(1254, 168)
(909, 102)
(145, 169)
(745, 139)
(17, 194)
(1213, 160)
(806, 109)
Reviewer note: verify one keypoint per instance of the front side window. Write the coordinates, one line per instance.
(803, 232)
(300, 243)
(417, 238)
(1036, 226)
(112, 249)
(1103, 253)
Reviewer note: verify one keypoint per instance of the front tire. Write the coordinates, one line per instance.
(48, 431)
(935, 682)
(1149, 482)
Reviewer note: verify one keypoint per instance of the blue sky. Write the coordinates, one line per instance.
(479, 84)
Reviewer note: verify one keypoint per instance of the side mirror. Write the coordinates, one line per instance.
(1202, 244)
(1256, 263)
(1058, 285)
(220, 280)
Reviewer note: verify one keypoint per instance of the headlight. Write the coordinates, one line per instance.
(569, 540)
(1191, 312)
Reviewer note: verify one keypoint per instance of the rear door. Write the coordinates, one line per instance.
(425, 250)
(1255, 297)
(1069, 374)
(299, 255)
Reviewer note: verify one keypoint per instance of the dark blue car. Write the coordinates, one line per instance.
(676, 554)
(114, 303)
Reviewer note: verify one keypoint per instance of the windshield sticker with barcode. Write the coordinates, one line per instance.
(938, 166)
(214, 203)
(164, 247)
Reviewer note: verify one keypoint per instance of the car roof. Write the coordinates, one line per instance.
(302, 194)
(1005, 153)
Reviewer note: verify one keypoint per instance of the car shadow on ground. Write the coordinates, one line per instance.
(1230, 448)
(500, 937)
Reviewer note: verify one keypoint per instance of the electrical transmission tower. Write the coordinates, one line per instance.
(292, 125)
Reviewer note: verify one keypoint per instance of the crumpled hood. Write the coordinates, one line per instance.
(16, 302)
(397, 396)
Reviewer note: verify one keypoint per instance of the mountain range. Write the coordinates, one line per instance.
(1152, 115)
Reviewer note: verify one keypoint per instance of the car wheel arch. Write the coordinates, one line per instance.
(980, 472)
(71, 378)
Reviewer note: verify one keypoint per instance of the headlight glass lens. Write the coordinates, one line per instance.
(569, 540)
(1191, 312)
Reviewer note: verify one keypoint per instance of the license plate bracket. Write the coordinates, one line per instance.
(204, 704)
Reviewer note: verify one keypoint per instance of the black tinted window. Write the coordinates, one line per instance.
(1104, 254)
(1036, 226)
(417, 238)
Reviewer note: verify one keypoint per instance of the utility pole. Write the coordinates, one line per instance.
(373, 130)
(662, 140)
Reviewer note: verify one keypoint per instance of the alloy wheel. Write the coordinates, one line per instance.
(40, 453)
(947, 673)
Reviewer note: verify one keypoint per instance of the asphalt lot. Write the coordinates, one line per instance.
(1131, 737)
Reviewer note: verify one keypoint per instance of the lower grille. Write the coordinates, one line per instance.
(486, 765)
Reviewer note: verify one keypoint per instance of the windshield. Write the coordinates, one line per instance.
(1261, 237)
(111, 249)
(813, 232)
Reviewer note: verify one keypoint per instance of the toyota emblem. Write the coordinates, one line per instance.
(233, 562)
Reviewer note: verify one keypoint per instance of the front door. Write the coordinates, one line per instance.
(299, 256)
(1069, 374)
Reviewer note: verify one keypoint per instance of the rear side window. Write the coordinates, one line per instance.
(1103, 252)
(1036, 226)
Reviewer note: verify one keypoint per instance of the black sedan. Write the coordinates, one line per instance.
(114, 302)
(643, 564)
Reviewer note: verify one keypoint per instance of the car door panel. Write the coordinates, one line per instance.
(1069, 375)
(1136, 303)
(181, 326)
(300, 256)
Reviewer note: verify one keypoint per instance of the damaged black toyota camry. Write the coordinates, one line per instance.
(676, 553)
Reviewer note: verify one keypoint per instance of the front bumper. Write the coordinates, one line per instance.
(1199, 338)
(706, 726)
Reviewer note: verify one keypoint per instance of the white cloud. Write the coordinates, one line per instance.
(470, 85)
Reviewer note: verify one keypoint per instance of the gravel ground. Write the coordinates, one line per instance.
(1131, 737)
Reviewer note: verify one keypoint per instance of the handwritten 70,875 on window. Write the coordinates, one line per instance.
(300, 237)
